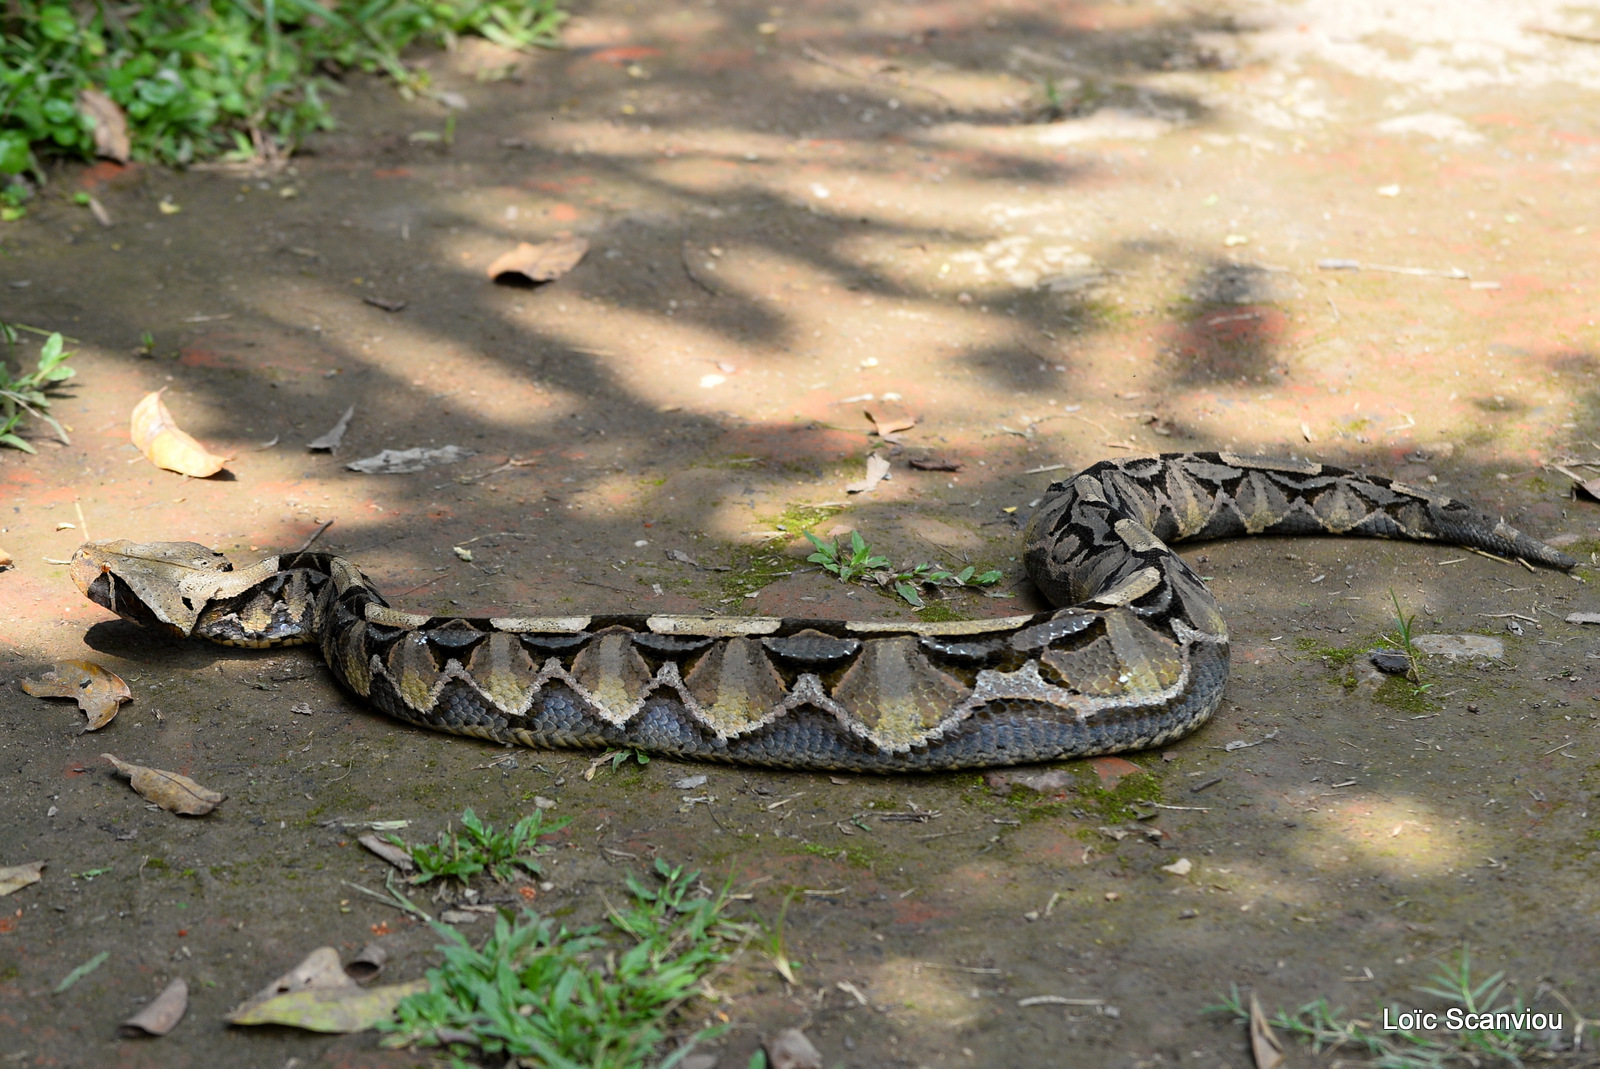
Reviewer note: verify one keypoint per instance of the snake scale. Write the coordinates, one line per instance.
(1136, 656)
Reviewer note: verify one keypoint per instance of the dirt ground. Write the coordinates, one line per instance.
(792, 208)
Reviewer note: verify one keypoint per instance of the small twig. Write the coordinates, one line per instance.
(1502, 615)
(832, 64)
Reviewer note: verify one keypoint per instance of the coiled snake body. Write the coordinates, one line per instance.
(1137, 656)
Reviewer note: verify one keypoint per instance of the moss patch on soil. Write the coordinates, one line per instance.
(1400, 693)
(1118, 803)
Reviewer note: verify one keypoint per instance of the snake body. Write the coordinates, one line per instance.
(1136, 656)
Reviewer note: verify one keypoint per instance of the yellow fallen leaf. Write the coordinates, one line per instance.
(339, 1009)
(16, 877)
(98, 690)
(319, 970)
(169, 790)
(159, 438)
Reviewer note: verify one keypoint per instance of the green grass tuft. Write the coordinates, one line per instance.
(589, 998)
(242, 78)
(481, 848)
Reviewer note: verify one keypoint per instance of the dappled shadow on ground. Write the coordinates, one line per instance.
(762, 254)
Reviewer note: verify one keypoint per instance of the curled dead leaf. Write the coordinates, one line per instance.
(529, 265)
(162, 1015)
(110, 124)
(160, 439)
(169, 790)
(16, 877)
(397, 856)
(99, 692)
(368, 962)
(877, 469)
(792, 1049)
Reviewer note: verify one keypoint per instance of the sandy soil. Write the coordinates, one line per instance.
(791, 208)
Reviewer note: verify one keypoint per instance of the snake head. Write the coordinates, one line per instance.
(164, 585)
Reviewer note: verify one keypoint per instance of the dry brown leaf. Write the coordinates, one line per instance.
(97, 690)
(162, 1015)
(169, 790)
(529, 265)
(1264, 1042)
(934, 464)
(5, 559)
(110, 125)
(889, 419)
(166, 445)
(1588, 486)
(16, 877)
(99, 212)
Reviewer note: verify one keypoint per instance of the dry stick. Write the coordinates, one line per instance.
(832, 64)
(315, 535)
(1565, 35)
(419, 586)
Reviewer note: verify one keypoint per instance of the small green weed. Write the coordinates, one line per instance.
(860, 563)
(1402, 642)
(847, 566)
(1055, 108)
(576, 999)
(622, 756)
(23, 395)
(481, 847)
(1325, 1027)
(773, 945)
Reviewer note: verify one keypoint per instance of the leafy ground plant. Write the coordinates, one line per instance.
(23, 395)
(195, 80)
(481, 847)
(860, 563)
(590, 998)
(1325, 1027)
